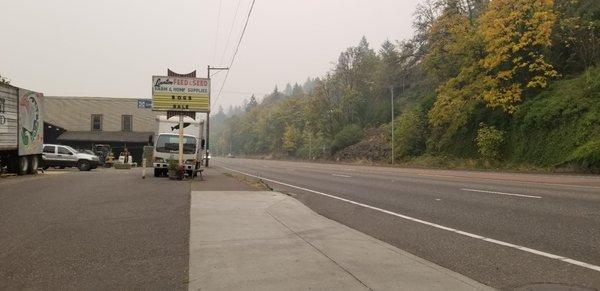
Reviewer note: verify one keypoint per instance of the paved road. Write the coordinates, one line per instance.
(504, 230)
(98, 230)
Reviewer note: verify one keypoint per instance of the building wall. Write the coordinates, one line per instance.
(75, 113)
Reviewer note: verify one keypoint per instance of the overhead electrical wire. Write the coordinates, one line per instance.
(237, 48)
(237, 8)
(217, 32)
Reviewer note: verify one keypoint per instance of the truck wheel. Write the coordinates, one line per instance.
(34, 163)
(84, 165)
(157, 172)
(23, 165)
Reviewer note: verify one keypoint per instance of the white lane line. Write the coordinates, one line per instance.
(501, 193)
(513, 181)
(340, 175)
(468, 234)
(435, 175)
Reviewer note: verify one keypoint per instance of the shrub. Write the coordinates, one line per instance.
(349, 135)
(409, 134)
(587, 156)
(489, 140)
(556, 126)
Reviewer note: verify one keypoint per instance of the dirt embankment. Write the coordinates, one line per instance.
(374, 148)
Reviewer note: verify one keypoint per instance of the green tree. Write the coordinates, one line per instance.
(349, 135)
(289, 139)
(454, 38)
(489, 140)
(409, 134)
(576, 35)
(251, 104)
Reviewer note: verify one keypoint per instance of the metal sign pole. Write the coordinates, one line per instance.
(207, 137)
(180, 140)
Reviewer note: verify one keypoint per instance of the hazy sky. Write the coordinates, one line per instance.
(112, 48)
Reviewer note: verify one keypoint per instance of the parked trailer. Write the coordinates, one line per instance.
(21, 129)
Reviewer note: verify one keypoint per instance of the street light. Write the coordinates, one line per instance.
(392, 97)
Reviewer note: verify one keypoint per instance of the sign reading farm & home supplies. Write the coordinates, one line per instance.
(180, 94)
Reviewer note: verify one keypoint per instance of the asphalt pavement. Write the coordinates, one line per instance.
(505, 230)
(100, 230)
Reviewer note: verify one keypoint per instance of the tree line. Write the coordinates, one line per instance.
(479, 79)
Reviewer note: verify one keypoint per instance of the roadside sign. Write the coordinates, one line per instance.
(180, 94)
(144, 103)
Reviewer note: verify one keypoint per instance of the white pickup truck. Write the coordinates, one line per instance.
(166, 144)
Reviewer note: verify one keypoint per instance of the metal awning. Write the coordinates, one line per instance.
(106, 136)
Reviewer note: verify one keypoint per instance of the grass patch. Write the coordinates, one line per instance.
(252, 182)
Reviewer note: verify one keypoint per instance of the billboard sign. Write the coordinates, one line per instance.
(180, 94)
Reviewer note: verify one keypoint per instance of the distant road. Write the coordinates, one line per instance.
(503, 229)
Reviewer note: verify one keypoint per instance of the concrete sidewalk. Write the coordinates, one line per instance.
(259, 240)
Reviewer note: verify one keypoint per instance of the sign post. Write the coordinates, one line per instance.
(180, 140)
(181, 96)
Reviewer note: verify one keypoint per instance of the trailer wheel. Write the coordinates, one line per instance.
(34, 163)
(23, 165)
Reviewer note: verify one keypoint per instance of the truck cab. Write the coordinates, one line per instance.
(166, 145)
(166, 148)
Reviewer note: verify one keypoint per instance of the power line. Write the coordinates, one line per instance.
(237, 48)
(237, 8)
(217, 32)
(245, 93)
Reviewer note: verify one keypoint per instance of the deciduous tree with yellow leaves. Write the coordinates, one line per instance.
(517, 35)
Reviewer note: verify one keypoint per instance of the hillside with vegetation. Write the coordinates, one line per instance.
(501, 84)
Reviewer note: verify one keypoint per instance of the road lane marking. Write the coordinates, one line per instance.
(438, 176)
(340, 175)
(501, 193)
(508, 180)
(468, 234)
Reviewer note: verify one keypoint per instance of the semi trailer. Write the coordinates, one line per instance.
(21, 129)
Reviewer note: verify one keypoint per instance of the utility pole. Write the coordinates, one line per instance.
(310, 146)
(393, 157)
(207, 145)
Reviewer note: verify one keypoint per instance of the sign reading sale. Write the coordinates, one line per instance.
(180, 94)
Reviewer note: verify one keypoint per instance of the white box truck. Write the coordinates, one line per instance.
(166, 144)
(21, 129)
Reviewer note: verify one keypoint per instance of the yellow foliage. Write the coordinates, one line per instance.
(516, 34)
(455, 99)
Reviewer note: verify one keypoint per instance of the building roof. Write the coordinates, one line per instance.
(106, 136)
